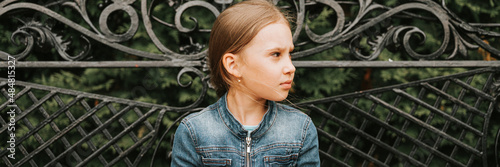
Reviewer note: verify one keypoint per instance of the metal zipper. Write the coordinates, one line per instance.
(249, 141)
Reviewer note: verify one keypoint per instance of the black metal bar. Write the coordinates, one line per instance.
(296, 63)
(92, 146)
(58, 135)
(402, 134)
(472, 89)
(52, 124)
(78, 128)
(47, 120)
(388, 118)
(441, 113)
(363, 125)
(108, 135)
(34, 106)
(483, 141)
(85, 138)
(394, 64)
(6, 161)
(101, 64)
(95, 96)
(453, 99)
(497, 140)
(426, 126)
(480, 144)
(25, 152)
(128, 129)
(429, 119)
(4, 105)
(132, 148)
(348, 147)
(331, 146)
(452, 114)
(335, 160)
(407, 122)
(123, 123)
(399, 86)
(366, 136)
(490, 84)
(139, 113)
(349, 154)
(155, 132)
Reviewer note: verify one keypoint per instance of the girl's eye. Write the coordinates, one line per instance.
(276, 54)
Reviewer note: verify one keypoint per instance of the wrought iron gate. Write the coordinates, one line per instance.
(449, 121)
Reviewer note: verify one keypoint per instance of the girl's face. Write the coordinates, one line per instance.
(266, 67)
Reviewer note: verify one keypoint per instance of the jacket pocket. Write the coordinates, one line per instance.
(216, 162)
(281, 160)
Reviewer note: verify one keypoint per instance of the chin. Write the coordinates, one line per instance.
(280, 97)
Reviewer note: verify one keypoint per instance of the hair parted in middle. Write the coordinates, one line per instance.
(233, 29)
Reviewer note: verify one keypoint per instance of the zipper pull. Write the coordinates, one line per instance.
(249, 140)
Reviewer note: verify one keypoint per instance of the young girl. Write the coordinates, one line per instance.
(251, 67)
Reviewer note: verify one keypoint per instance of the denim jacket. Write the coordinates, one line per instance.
(213, 137)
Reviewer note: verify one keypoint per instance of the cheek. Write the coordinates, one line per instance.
(263, 70)
(255, 67)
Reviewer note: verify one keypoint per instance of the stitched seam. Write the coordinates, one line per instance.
(278, 145)
(304, 132)
(190, 128)
(197, 114)
(283, 143)
(288, 108)
(267, 149)
(272, 122)
(217, 161)
(192, 134)
(222, 119)
(210, 148)
(281, 158)
(214, 149)
(208, 151)
(278, 158)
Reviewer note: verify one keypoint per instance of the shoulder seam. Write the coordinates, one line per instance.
(191, 131)
(197, 114)
(304, 130)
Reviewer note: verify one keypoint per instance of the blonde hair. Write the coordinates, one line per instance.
(233, 29)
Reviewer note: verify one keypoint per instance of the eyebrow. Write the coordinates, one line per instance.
(280, 48)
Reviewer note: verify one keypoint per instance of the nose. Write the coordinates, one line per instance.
(289, 68)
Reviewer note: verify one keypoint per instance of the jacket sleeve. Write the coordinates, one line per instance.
(183, 150)
(309, 154)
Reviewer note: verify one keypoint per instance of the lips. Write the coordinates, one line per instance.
(287, 84)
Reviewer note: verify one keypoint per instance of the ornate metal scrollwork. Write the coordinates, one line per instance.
(399, 35)
(44, 36)
(204, 82)
(458, 35)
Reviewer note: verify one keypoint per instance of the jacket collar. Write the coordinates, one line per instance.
(237, 128)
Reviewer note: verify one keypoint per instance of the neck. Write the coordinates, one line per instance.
(245, 108)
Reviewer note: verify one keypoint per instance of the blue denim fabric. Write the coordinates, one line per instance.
(213, 137)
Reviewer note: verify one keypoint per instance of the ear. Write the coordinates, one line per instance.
(230, 62)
